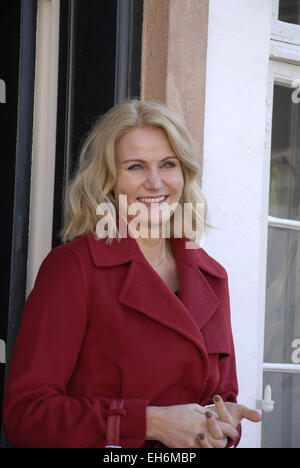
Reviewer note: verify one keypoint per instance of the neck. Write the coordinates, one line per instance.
(154, 249)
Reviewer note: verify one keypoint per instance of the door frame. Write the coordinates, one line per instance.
(18, 275)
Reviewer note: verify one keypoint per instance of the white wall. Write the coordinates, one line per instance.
(234, 175)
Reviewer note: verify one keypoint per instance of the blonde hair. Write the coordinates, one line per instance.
(96, 176)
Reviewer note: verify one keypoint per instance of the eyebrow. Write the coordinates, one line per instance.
(142, 160)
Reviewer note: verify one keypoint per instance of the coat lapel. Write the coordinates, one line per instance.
(144, 291)
(196, 294)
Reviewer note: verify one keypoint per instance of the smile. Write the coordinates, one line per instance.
(153, 199)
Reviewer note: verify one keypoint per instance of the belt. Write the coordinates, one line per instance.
(115, 412)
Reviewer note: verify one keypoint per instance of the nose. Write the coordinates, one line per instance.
(153, 180)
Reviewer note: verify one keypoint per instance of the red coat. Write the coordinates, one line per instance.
(102, 336)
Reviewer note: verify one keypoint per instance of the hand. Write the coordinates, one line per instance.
(215, 432)
(234, 413)
(187, 426)
(229, 413)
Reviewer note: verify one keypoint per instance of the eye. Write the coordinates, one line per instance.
(134, 167)
(169, 164)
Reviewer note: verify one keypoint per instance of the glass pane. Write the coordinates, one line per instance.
(281, 427)
(284, 200)
(289, 11)
(282, 321)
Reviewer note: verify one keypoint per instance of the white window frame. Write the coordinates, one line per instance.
(288, 75)
(282, 31)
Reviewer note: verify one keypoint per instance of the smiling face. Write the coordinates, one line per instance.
(149, 172)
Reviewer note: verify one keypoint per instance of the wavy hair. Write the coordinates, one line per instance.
(96, 175)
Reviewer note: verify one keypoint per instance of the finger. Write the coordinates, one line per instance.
(217, 443)
(203, 441)
(213, 426)
(229, 430)
(251, 414)
(200, 409)
(223, 413)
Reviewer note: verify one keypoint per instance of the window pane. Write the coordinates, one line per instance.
(282, 321)
(285, 156)
(281, 427)
(289, 11)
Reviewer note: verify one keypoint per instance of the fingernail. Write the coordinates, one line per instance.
(208, 414)
(216, 398)
(201, 436)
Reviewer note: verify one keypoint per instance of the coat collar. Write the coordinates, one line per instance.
(187, 314)
(125, 250)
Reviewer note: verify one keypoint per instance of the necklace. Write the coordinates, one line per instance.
(156, 266)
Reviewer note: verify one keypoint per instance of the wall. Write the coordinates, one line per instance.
(234, 181)
(174, 60)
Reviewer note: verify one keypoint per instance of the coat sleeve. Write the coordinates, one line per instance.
(37, 411)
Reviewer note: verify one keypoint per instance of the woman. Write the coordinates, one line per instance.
(125, 340)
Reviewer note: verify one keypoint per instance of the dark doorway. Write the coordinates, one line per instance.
(17, 35)
(9, 71)
(99, 64)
